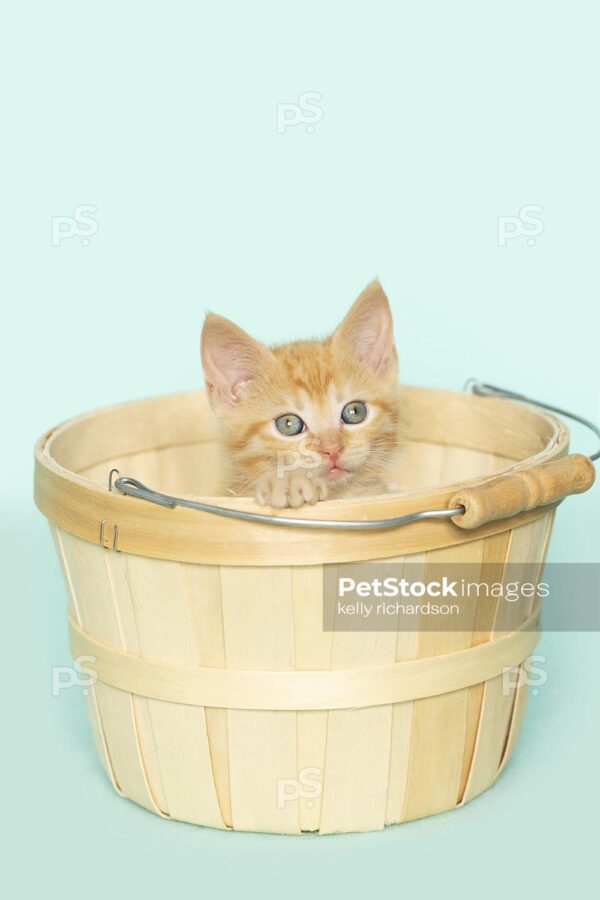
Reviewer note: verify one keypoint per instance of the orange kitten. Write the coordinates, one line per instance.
(311, 419)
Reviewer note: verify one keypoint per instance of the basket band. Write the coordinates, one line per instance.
(307, 690)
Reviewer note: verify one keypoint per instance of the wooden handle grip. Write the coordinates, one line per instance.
(512, 494)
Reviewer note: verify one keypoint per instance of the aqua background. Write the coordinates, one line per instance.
(437, 119)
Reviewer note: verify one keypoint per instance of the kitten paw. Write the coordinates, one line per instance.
(293, 489)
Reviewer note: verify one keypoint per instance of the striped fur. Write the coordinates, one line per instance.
(251, 385)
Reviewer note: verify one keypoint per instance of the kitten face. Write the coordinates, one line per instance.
(325, 411)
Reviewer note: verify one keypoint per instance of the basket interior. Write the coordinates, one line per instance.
(171, 443)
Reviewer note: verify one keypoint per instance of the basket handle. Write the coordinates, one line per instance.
(135, 488)
(518, 492)
(500, 498)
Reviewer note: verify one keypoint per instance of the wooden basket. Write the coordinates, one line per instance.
(220, 699)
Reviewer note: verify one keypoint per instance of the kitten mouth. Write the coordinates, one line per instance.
(336, 471)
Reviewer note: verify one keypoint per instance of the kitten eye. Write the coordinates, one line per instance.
(289, 424)
(354, 412)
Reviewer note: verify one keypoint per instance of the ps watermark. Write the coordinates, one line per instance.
(528, 674)
(302, 456)
(307, 786)
(78, 675)
(82, 224)
(528, 224)
(306, 110)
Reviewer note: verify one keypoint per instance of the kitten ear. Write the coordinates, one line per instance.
(231, 359)
(367, 331)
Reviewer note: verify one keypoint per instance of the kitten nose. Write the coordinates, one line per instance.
(331, 445)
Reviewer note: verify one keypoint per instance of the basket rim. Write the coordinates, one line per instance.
(79, 505)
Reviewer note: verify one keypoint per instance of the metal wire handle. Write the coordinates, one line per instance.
(135, 488)
(490, 390)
